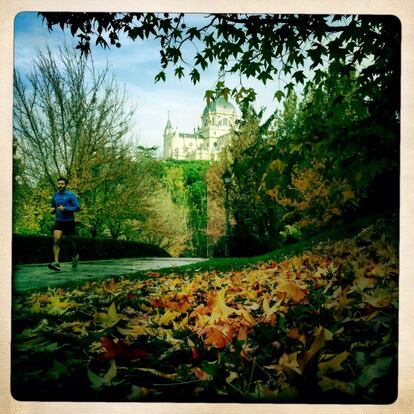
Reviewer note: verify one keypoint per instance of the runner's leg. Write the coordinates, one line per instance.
(75, 255)
(57, 237)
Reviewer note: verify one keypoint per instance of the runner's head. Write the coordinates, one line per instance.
(61, 184)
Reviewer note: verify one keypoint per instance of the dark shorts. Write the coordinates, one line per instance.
(68, 227)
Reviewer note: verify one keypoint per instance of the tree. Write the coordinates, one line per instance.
(262, 46)
(70, 120)
(125, 195)
(330, 155)
(186, 181)
(166, 224)
(333, 158)
(254, 214)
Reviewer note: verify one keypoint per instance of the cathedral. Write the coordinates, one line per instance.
(207, 140)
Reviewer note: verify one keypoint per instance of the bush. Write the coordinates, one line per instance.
(38, 249)
(291, 234)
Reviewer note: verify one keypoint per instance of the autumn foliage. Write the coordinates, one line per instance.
(316, 327)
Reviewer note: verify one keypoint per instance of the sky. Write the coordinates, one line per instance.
(135, 65)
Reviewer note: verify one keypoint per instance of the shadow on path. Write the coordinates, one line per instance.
(32, 276)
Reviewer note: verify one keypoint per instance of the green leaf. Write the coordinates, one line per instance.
(195, 76)
(57, 370)
(179, 72)
(160, 76)
(109, 319)
(279, 95)
(38, 344)
(299, 76)
(374, 371)
(225, 93)
(199, 60)
(99, 382)
(208, 96)
(194, 32)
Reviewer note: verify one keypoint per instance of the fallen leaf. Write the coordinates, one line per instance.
(119, 349)
(291, 292)
(200, 374)
(378, 369)
(328, 384)
(290, 361)
(158, 373)
(109, 319)
(99, 382)
(333, 364)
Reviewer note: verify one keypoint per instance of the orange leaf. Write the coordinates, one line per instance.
(217, 338)
(200, 374)
(242, 334)
(292, 292)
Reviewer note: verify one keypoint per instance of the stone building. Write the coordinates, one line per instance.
(206, 141)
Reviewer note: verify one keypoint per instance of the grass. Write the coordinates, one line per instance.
(225, 264)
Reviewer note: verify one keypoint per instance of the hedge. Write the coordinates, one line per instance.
(39, 249)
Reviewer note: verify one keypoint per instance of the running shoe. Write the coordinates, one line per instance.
(75, 261)
(54, 266)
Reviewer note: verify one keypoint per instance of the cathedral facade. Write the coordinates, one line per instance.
(207, 140)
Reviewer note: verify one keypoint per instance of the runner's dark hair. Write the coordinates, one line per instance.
(63, 179)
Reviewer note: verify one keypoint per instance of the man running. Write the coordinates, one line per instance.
(63, 205)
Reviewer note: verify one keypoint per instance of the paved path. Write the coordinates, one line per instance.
(32, 276)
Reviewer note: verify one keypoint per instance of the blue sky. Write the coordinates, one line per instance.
(135, 64)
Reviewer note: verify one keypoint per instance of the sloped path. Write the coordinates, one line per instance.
(31, 276)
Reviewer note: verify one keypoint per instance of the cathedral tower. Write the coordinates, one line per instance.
(217, 121)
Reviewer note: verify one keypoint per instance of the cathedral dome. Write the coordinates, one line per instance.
(219, 105)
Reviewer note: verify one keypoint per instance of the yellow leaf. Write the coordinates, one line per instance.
(247, 317)
(57, 307)
(247, 349)
(168, 317)
(348, 195)
(333, 364)
(231, 377)
(166, 334)
(110, 319)
(181, 325)
(322, 335)
(379, 298)
(328, 384)
(291, 291)
(133, 331)
(36, 308)
(269, 313)
(362, 282)
(219, 309)
(290, 361)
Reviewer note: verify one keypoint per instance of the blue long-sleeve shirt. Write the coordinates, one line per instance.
(68, 200)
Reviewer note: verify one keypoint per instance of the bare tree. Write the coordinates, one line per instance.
(69, 119)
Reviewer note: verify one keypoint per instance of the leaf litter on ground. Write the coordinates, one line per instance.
(317, 327)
